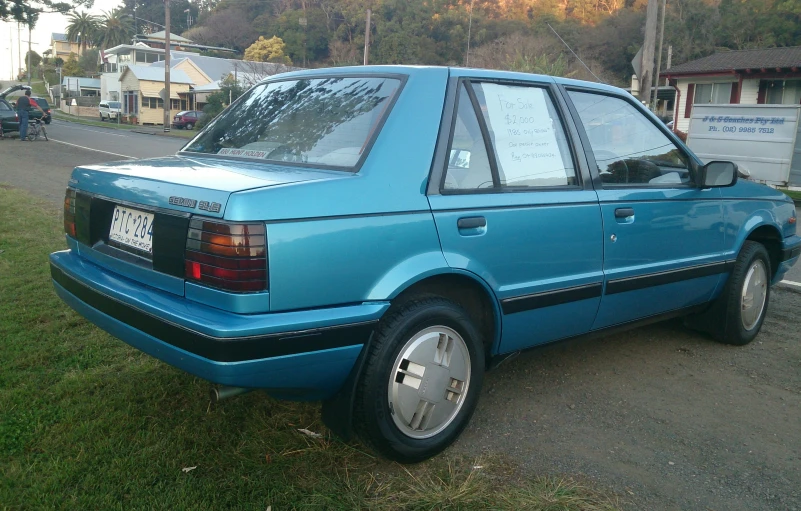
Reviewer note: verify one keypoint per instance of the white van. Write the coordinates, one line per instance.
(109, 109)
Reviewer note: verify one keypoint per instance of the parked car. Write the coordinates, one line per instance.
(44, 105)
(186, 119)
(109, 109)
(10, 119)
(379, 237)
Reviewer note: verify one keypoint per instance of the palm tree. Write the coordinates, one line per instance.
(116, 27)
(82, 28)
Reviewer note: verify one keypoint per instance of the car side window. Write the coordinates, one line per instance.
(529, 140)
(628, 148)
(468, 163)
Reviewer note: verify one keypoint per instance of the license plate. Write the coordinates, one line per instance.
(132, 228)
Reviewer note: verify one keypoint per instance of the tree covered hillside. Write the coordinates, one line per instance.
(510, 34)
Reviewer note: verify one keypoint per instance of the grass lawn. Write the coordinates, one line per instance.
(794, 194)
(86, 422)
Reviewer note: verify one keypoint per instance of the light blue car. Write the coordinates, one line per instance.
(378, 237)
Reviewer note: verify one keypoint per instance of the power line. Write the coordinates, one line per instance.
(574, 53)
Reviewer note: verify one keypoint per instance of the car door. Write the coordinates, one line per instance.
(8, 117)
(663, 236)
(514, 206)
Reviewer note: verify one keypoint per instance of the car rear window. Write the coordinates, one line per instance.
(42, 102)
(320, 121)
(114, 104)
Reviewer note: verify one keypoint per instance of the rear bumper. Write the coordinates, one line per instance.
(293, 355)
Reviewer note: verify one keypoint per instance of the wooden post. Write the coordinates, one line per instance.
(167, 100)
(367, 39)
(659, 57)
(647, 66)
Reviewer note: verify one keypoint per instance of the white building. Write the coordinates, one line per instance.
(770, 76)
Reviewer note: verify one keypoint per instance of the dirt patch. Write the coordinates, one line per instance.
(661, 415)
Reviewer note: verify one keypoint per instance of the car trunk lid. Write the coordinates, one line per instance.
(169, 192)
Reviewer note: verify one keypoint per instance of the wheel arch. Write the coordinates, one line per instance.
(769, 235)
(469, 291)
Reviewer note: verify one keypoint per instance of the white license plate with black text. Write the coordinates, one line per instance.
(132, 228)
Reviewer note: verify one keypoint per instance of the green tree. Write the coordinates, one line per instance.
(82, 28)
(304, 42)
(229, 91)
(20, 10)
(88, 61)
(267, 50)
(153, 10)
(71, 67)
(35, 59)
(116, 27)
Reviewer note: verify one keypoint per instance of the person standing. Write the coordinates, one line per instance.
(23, 105)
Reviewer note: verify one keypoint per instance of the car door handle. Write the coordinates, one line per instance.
(624, 212)
(471, 222)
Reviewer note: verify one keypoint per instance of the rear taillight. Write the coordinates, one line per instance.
(69, 212)
(228, 256)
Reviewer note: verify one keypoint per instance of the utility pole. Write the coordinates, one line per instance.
(469, 28)
(659, 56)
(647, 66)
(11, 50)
(19, 50)
(167, 98)
(670, 56)
(28, 65)
(367, 38)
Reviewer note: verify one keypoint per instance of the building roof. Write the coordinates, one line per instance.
(173, 37)
(768, 58)
(217, 68)
(156, 74)
(58, 37)
(124, 48)
(76, 82)
(209, 87)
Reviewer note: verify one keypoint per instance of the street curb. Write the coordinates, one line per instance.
(788, 287)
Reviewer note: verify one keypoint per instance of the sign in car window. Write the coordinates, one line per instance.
(525, 136)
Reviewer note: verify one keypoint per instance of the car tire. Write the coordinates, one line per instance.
(189, 126)
(101, 118)
(736, 316)
(47, 121)
(397, 399)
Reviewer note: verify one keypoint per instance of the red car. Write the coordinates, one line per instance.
(186, 119)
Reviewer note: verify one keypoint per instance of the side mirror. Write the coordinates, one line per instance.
(717, 174)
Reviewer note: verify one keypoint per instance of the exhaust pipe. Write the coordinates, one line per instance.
(224, 392)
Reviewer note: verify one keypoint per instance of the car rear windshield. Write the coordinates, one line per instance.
(114, 104)
(42, 102)
(319, 121)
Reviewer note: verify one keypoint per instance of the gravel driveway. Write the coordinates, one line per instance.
(661, 415)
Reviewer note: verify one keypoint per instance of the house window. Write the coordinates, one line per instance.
(714, 93)
(782, 92)
(152, 103)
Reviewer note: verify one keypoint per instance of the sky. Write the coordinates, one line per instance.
(48, 23)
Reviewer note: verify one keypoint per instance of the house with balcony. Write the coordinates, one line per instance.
(770, 76)
(61, 47)
(113, 62)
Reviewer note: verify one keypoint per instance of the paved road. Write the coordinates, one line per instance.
(44, 167)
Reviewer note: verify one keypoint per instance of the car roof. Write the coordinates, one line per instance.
(452, 71)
